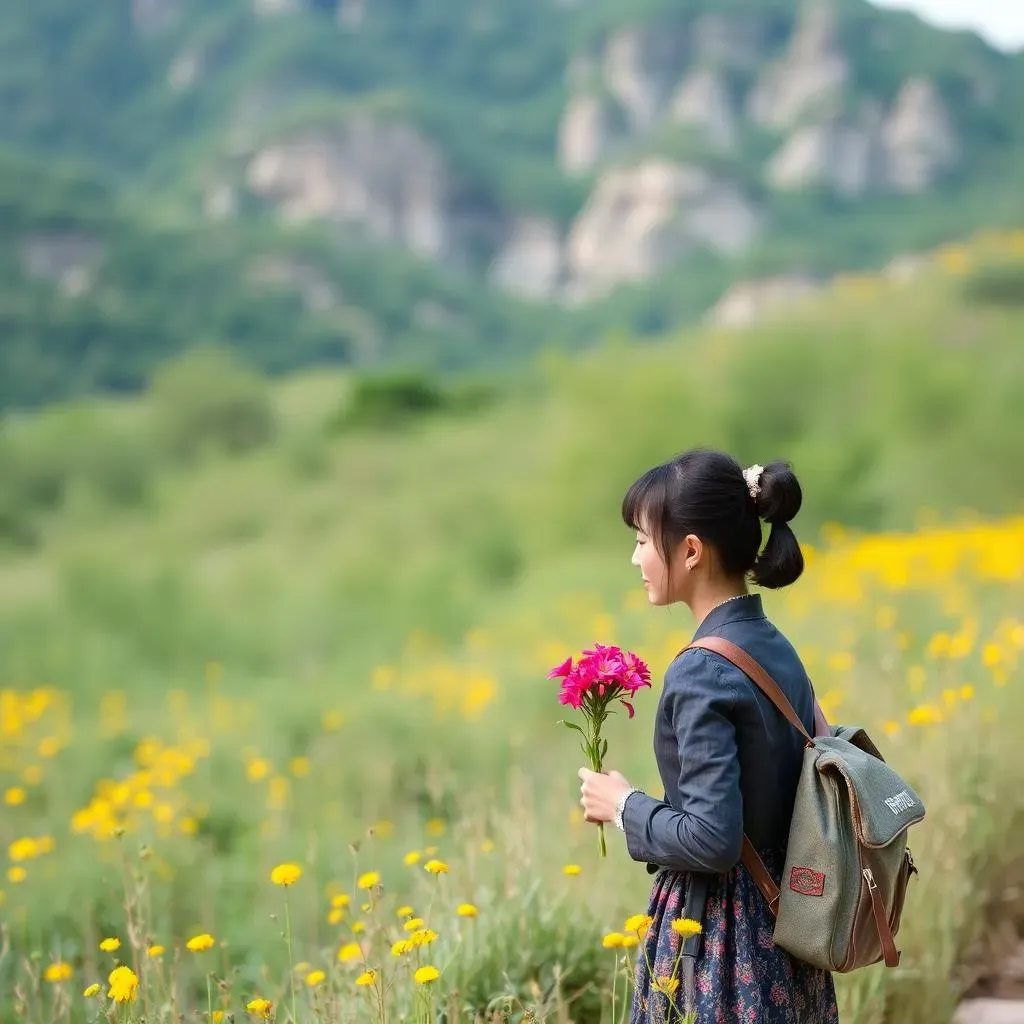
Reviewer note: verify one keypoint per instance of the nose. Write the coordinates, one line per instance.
(635, 560)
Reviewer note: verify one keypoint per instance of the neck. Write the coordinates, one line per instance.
(711, 597)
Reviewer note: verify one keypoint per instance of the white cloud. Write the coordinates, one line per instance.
(1000, 22)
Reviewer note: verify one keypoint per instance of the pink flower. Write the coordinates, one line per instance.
(561, 671)
(603, 673)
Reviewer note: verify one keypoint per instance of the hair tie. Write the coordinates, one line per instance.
(753, 479)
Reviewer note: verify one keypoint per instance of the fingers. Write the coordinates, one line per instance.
(584, 773)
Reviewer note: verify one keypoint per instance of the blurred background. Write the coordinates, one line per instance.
(332, 333)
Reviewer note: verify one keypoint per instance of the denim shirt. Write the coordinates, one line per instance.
(728, 760)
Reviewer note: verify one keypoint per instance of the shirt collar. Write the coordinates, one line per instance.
(747, 607)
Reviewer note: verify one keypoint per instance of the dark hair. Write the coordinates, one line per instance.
(703, 492)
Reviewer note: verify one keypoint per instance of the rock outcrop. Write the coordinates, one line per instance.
(748, 302)
(530, 262)
(641, 219)
(380, 176)
(703, 101)
(151, 16)
(586, 135)
(809, 80)
(641, 67)
(68, 260)
(920, 144)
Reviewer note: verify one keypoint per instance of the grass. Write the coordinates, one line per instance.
(331, 652)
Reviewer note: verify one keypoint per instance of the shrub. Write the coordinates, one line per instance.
(206, 399)
(999, 284)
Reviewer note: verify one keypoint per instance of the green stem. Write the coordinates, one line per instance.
(209, 1000)
(291, 962)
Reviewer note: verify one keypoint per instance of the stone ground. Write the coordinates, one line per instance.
(1003, 1001)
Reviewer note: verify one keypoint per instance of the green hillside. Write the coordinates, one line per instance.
(124, 118)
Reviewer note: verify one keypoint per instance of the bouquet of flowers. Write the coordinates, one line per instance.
(600, 677)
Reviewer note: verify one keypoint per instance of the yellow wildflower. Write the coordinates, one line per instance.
(466, 910)
(123, 984)
(487, 846)
(686, 927)
(613, 940)
(155, 951)
(436, 867)
(349, 952)
(572, 870)
(315, 978)
(335, 916)
(15, 796)
(426, 974)
(413, 923)
(218, 1016)
(286, 874)
(401, 947)
(358, 928)
(110, 945)
(367, 978)
(423, 937)
(260, 1008)
(666, 985)
(404, 911)
(341, 899)
(92, 990)
(412, 857)
(199, 943)
(59, 971)
(638, 924)
(435, 827)
(16, 874)
(368, 879)
(628, 941)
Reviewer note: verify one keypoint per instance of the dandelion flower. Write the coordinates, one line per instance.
(260, 1007)
(686, 927)
(123, 984)
(426, 974)
(436, 827)
(315, 978)
(218, 1016)
(571, 870)
(92, 990)
(335, 915)
(340, 900)
(358, 928)
(412, 857)
(15, 796)
(155, 951)
(286, 874)
(629, 941)
(401, 947)
(16, 874)
(423, 937)
(638, 924)
(404, 911)
(436, 867)
(367, 978)
(666, 985)
(199, 943)
(613, 940)
(59, 971)
(487, 846)
(466, 910)
(368, 879)
(110, 945)
(413, 923)
(349, 952)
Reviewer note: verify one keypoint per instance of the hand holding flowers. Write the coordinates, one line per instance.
(601, 677)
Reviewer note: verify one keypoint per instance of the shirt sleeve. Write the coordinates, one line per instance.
(706, 834)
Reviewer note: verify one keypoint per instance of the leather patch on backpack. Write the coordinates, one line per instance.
(807, 881)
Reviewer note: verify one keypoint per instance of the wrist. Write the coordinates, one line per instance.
(620, 807)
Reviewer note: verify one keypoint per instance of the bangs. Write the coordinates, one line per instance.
(646, 501)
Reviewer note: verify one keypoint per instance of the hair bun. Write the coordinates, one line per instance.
(779, 496)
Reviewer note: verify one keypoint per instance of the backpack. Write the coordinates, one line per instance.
(847, 863)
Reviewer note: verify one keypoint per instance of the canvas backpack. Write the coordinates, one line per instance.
(847, 863)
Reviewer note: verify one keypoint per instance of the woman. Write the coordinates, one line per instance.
(728, 760)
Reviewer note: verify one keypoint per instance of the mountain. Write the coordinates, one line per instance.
(457, 182)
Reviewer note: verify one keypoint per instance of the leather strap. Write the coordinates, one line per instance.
(746, 664)
(749, 666)
(890, 953)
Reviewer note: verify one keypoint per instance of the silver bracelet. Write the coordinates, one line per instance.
(620, 808)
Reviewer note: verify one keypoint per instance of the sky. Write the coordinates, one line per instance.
(1000, 22)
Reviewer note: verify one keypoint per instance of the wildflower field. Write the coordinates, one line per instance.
(415, 846)
(276, 740)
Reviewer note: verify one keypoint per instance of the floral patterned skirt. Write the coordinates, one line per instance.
(740, 975)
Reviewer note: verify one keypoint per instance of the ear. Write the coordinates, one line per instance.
(692, 551)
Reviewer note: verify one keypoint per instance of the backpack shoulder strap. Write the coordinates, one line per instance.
(764, 682)
(750, 667)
